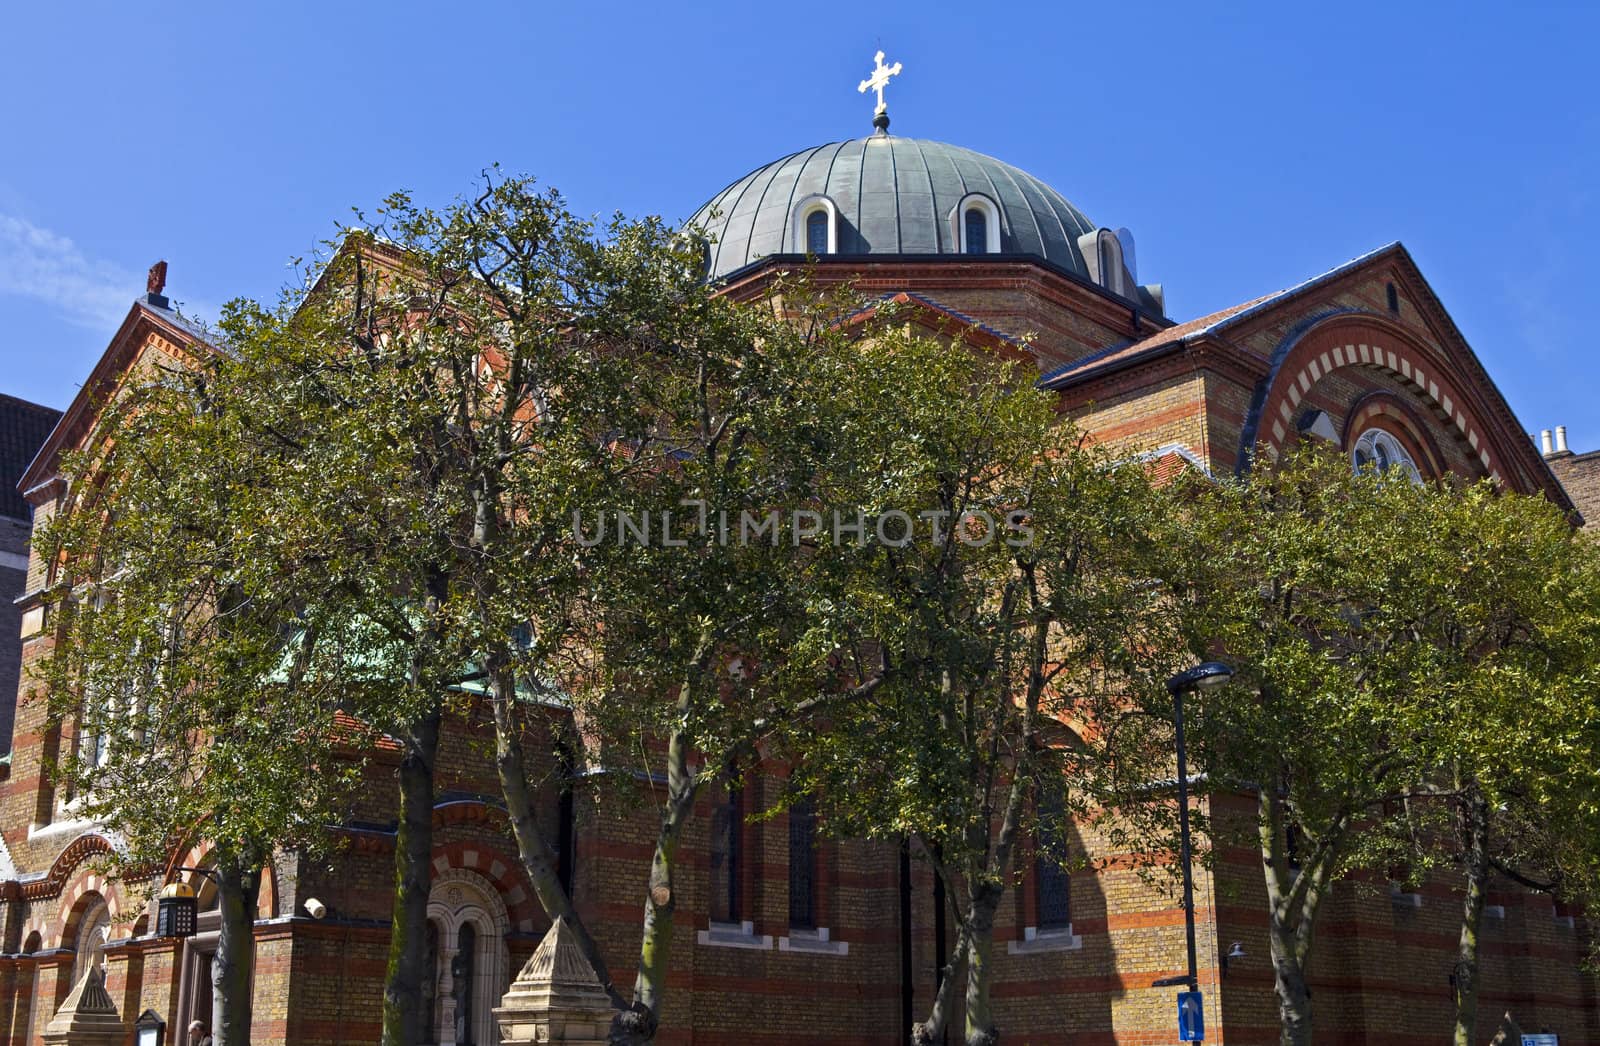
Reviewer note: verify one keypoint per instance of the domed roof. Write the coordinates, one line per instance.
(892, 195)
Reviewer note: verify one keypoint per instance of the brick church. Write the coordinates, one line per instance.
(838, 937)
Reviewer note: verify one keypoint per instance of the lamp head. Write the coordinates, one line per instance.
(1205, 676)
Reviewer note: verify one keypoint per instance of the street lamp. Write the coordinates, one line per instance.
(1205, 676)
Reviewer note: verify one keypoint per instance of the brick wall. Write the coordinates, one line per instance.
(1580, 475)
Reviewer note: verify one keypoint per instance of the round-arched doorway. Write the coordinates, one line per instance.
(467, 927)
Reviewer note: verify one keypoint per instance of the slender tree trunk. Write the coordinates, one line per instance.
(538, 858)
(639, 1025)
(931, 1031)
(981, 1030)
(1293, 901)
(1294, 996)
(413, 879)
(238, 887)
(1475, 840)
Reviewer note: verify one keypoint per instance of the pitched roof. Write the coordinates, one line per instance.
(24, 427)
(1214, 323)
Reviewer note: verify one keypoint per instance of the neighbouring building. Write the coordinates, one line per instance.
(1579, 473)
(838, 942)
(23, 428)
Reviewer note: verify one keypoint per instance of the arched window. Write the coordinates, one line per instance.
(1380, 451)
(1051, 881)
(814, 226)
(429, 1004)
(462, 969)
(726, 833)
(817, 232)
(94, 927)
(975, 225)
(803, 865)
(977, 230)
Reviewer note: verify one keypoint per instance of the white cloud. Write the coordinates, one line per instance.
(40, 264)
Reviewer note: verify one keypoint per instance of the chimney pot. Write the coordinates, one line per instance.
(1561, 439)
(1544, 441)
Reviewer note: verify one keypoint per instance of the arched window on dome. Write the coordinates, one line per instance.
(977, 231)
(817, 232)
(975, 225)
(1379, 451)
(815, 227)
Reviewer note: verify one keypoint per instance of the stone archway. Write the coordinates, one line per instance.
(93, 930)
(472, 962)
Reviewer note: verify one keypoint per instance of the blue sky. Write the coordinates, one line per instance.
(1247, 147)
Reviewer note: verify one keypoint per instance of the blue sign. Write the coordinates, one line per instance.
(1541, 1040)
(1191, 1017)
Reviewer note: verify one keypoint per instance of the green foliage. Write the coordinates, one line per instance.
(1414, 661)
(197, 687)
(986, 652)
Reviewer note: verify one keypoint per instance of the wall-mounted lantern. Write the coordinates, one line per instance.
(149, 1029)
(176, 911)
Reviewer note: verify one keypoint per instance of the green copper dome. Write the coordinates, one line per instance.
(888, 195)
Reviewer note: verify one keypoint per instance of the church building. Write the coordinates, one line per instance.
(779, 926)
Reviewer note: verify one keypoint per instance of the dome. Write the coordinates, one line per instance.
(889, 195)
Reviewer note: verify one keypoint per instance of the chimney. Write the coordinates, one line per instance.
(1561, 439)
(1544, 442)
(155, 283)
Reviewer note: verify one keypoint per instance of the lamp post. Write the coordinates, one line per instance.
(1200, 677)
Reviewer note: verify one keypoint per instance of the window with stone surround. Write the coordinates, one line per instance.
(1380, 451)
(727, 834)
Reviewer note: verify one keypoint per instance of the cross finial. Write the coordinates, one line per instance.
(877, 82)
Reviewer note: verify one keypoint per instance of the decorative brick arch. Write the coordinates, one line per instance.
(199, 856)
(1354, 339)
(502, 871)
(88, 888)
(1386, 411)
(61, 869)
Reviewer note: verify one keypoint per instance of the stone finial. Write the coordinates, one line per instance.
(88, 1017)
(557, 998)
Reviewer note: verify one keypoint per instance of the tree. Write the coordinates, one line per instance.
(194, 684)
(709, 619)
(499, 371)
(997, 608)
(1511, 675)
(1313, 581)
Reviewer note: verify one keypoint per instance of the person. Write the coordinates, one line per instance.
(199, 1034)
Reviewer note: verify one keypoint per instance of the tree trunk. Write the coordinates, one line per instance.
(1294, 996)
(413, 879)
(639, 1025)
(931, 1031)
(981, 1030)
(1475, 848)
(538, 858)
(1292, 900)
(238, 887)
